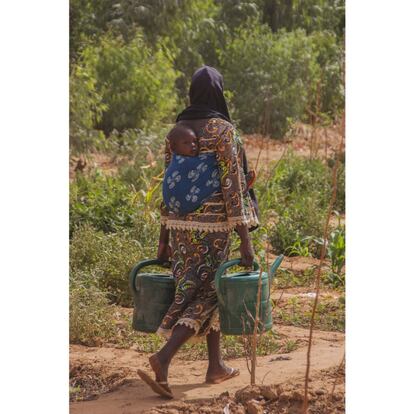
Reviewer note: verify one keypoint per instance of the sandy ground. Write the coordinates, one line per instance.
(133, 396)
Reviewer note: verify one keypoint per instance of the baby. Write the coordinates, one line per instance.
(191, 177)
(183, 141)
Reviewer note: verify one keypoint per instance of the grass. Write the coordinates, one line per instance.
(115, 223)
(297, 311)
(113, 329)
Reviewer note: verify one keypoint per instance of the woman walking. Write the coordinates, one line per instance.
(198, 242)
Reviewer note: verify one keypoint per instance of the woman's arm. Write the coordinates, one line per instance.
(164, 250)
(230, 177)
(246, 247)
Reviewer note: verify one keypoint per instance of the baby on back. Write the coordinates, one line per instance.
(191, 177)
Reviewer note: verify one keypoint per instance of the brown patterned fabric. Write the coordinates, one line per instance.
(227, 208)
(196, 256)
(200, 240)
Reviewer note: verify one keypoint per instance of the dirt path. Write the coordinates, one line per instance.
(187, 377)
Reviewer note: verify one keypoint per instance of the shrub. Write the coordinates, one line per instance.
(135, 82)
(301, 217)
(103, 201)
(330, 59)
(277, 73)
(86, 108)
(90, 314)
(111, 256)
(293, 199)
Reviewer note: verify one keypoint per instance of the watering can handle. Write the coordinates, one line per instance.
(220, 273)
(274, 267)
(139, 266)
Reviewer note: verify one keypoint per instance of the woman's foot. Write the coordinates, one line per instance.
(160, 385)
(220, 373)
(161, 388)
(160, 369)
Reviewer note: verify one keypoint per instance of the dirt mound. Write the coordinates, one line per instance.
(324, 397)
(87, 381)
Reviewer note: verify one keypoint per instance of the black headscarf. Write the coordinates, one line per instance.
(206, 96)
(207, 101)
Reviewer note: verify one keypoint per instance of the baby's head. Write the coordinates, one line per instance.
(183, 141)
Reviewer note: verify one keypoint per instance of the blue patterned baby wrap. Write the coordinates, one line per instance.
(188, 181)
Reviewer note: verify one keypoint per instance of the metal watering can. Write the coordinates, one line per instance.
(237, 296)
(153, 294)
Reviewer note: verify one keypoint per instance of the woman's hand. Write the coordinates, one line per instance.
(246, 253)
(164, 252)
(246, 247)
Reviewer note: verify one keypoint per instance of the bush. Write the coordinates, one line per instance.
(277, 73)
(330, 58)
(90, 314)
(135, 82)
(111, 256)
(103, 201)
(293, 200)
(301, 217)
(86, 109)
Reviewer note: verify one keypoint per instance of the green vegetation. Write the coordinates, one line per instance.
(130, 67)
(293, 200)
(297, 311)
(131, 62)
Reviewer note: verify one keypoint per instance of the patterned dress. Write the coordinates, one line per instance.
(200, 240)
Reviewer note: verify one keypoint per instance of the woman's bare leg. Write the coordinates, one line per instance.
(162, 359)
(216, 367)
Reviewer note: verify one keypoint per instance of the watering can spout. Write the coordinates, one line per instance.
(275, 265)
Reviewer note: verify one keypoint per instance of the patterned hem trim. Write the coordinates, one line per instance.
(163, 220)
(225, 226)
(215, 323)
(191, 323)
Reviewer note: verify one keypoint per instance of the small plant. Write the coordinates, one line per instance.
(290, 345)
(336, 250)
(335, 278)
(299, 248)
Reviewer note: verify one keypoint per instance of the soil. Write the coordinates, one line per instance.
(110, 384)
(262, 150)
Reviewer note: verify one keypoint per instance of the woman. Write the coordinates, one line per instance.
(198, 242)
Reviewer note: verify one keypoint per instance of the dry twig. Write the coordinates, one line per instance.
(318, 275)
(254, 338)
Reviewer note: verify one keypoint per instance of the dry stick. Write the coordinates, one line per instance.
(254, 338)
(275, 166)
(336, 378)
(318, 275)
(246, 344)
(260, 152)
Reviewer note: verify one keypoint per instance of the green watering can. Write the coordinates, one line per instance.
(237, 295)
(153, 294)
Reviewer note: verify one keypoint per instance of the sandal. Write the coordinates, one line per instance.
(161, 388)
(233, 373)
